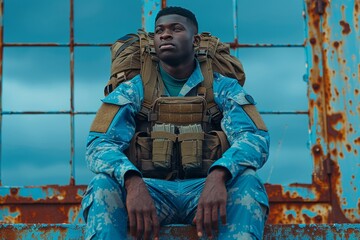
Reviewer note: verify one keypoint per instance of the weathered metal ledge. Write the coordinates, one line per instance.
(182, 232)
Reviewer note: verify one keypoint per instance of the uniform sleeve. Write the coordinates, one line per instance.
(112, 130)
(243, 126)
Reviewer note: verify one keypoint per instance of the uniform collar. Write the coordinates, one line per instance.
(195, 78)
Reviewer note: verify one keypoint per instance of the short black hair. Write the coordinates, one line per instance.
(179, 11)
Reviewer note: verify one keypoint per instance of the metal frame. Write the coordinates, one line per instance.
(333, 115)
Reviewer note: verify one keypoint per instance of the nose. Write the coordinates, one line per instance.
(166, 34)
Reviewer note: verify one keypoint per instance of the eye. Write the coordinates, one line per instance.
(178, 28)
(158, 30)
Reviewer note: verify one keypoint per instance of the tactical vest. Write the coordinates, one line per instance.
(177, 140)
(175, 137)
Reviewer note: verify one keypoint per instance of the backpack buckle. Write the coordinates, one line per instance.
(151, 50)
(202, 52)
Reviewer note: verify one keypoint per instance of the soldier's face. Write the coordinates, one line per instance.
(174, 39)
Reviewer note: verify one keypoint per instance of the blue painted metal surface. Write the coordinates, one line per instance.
(333, 69)
(342, 67)
(149, 11)
(47, 204)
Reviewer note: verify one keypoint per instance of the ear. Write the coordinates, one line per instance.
(197, 40)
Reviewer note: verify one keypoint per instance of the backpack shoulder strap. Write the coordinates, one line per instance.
(149, 73)
(205, 54)
(214, 56)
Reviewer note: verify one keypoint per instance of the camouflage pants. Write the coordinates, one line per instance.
(176, 201)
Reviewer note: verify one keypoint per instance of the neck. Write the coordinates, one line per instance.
(180, 71)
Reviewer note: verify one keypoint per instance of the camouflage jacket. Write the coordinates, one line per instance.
(249, 145)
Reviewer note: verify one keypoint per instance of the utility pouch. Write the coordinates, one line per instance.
(191, 139)
(162, 149)
(140, 154)
(214, 145)
(191, 145)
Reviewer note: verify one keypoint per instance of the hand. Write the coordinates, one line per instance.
(212, 202)
(141, 209)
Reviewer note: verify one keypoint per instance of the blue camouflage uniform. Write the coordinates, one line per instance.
(176, 201)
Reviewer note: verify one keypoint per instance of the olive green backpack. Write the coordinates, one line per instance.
(135, 54)
(187, 155)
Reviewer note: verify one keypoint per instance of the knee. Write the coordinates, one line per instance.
(103, 181)
(104, 188)
(102, 195)
(248, 188)
(249, 181)
(247, 206)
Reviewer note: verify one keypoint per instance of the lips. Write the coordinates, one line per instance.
(165, 46)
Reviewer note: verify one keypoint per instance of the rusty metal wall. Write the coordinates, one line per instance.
(334, 106)
(333, 69)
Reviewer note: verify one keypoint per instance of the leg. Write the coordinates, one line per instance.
(247, 208)
(104, 206)
(104, 209)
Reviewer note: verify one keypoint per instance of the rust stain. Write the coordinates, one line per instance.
(14, 191)
(54, 204)
(35, 232)
(348, 147)
(54, 194)
(296, 213)
(163, 4)
(43, 213)
(338, 215)
(356, 16)
(357, 141)
(316, 87)
(336, 44)
(346, 27)
(316, 58)
(10, 234)
(312, 41)
(332, 121)
(334, 152)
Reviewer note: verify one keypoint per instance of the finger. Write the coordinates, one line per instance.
(132, 224)
(199, 221)
(207, 220)
(155, 225)
(139, 225)
(214, 218)
(147, 226)
(223, 213)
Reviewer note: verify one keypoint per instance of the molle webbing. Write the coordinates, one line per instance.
(179, 110)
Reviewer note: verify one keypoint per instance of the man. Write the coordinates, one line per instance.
(230, 203)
